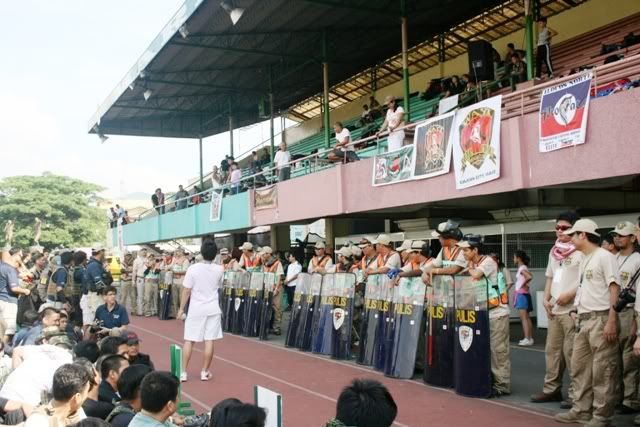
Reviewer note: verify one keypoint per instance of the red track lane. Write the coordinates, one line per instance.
(310, 384)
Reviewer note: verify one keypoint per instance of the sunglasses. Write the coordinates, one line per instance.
(562, 227)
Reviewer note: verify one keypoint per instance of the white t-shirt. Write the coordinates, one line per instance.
(627, 267)
(236, 176)
(35, 374)
(392, 260)
(345, 136)
(281, 159)
(598, 270)
(292, 270)
(565, 276)
(393, 117)
(204, 279)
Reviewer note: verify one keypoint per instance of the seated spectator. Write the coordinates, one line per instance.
(91, 422)
(236, 177)
(114, 345)
(255, 165)
(159, 400)
(87, 350)
(49, 318)
(129, 391)
(342, 151)
(518, 70)
(182, 198)
(281, 160)
(73, 332)
(135, 356)
(111, 368)
(92, 406)
(433, 90)
(364, 403)
(232, 412)
(70, 386)
(366, 116)
(29, 321)
(111, 316)
(456, 85)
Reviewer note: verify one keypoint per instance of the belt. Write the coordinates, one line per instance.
(593, 314)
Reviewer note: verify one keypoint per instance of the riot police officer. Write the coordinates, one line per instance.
(92, 287)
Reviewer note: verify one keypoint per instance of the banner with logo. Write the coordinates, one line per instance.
(265, 197)
(432, 147)
(216, 206)
(563, 114)
(393, 167)
(476, 143)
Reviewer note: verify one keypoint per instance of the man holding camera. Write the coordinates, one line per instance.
(92, 288)
(594, 362)
(628, 265)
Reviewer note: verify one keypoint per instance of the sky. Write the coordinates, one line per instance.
(61, 58)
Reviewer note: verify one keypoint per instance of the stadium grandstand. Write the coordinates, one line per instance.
(213, 69)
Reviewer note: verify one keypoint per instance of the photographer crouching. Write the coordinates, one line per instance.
(111, 318)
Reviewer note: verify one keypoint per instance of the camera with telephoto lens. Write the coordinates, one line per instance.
(96, 326)
(627, 296)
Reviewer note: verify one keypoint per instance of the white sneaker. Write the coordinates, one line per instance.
(205, 376)
(183, 377)
(523, 341)
(526, 342)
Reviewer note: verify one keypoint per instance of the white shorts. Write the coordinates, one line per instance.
(89, 304)
(8, 314)
(203, 328)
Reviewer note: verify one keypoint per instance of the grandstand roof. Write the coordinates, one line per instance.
(194, 81)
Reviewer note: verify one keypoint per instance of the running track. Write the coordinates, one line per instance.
(310, 384)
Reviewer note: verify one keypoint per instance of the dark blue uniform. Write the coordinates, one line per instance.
(59, 277)
(94, 276)
(115, 318)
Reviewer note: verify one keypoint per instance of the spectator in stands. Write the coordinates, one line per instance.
(433, 90)
(69, 389)
(129, 391)
(119, 212)
(364, 403)
(457, 86)
(182, 198)
(543, 52)
(236, 177)
(342, 151)
(225, 165)
(255, 165)
(157, 199)
(159, 400)
(113, 217)
(216, 178)
(374, 107)
(518, 70)
(265, 159)
(608, 244)
(196, 196)
(135, 356)
(92, 406)
(366, 116)
(112, 316)
(393, 121)
(281, 160)
(111, 367)
(293, 270)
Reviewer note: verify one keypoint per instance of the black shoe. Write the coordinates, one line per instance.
(625, 410)
(546, 397)
(566, 404)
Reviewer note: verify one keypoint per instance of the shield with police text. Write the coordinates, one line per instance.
(440, 332)
(342, 316)
(299, 308)
(308, 317)
(403, 330)
(228, 297)
(370, 320)
(241, 291)
(472, 339)
(323, 318)
(252, 300)
(265, 306)
(383, 343)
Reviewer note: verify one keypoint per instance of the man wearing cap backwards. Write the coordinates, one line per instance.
(272, 264)
(389, 259)
(594, 362)
(450, 260)
(479, 266)
(179, 266)
(628, 264)
(137, 279)
(562, 279)
(418, 255)
(321, 262)
(249, 260)
(92, 287)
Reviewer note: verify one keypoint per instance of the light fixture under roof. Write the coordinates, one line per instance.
(147, 94)
(184, 31)
(235, 13)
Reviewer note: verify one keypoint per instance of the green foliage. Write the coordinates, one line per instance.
(66, 206)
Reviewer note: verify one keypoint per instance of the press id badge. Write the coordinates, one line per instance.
(557, 275)
(576, 301)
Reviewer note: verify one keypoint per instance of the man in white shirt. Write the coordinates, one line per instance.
(293, 270)
(389, 259)
(342, 152)
(203, 321)
(281, 161)
(137, 278)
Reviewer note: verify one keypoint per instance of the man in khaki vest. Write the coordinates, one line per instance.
(594, 362)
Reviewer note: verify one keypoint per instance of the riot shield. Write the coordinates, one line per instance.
(164, 296)
(239, 302)
(299, 308)
(440, 313)
(251, 312)
(472, 353)
(404, 331)
(228, 297)
(382, 336)
(323, 318)
(265, 310)
(369, 323)
(342, 313)
(307, 318)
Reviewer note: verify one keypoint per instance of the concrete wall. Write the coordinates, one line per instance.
(572, 23)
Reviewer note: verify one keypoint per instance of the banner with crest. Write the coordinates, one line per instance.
(265, 197)
(432, 147)
(393, 167)
(476, 143)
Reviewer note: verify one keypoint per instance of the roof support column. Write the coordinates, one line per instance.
(271, 129)
(528, 34)
(405, 59)
(325, 97)
(230, 129)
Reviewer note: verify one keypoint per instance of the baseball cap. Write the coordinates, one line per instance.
(584, 225)
(448, 228)
(383, 239)
(266, 250)
(224, 251)
(344, 251)
(364, 242)
(625, 228)
(356, 251)
(246, 246)
(406, 245)
(319, 245)
(416, 246)
(470, 241)
(132, 338)
(98, 247)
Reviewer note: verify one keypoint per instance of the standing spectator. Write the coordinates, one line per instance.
(179, 266)
(293, 270)
(216, 178)
(595, 356)
(182, 198)
(112, 316)
(236, 176)
(365, 116)
(137, 279)
(522, 297)
(159, 400)
(393, 121)
(196, 197)
(281, 161)
(342, 152)
(127, 287)
(365, 403)
(9, 291)
(203, 322)
(225, 165)
(157, 199)
(543, 53)
(129, 391)
(255, 165)
(151, 281)
(111, 217)
(119, 212)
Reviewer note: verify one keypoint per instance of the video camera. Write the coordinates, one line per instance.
(96, 326)
(627, 295)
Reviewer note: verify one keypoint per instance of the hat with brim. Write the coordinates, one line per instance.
(344, 251)
(97, 248)
(383, 239)
(584, 225)
(625, 228)
(364, 242)
(319, 245)
(224, 251)
(266, 250)
(416, 246)
(405, 246)
(246, 246)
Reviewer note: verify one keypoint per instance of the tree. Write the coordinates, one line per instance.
(66, 206)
